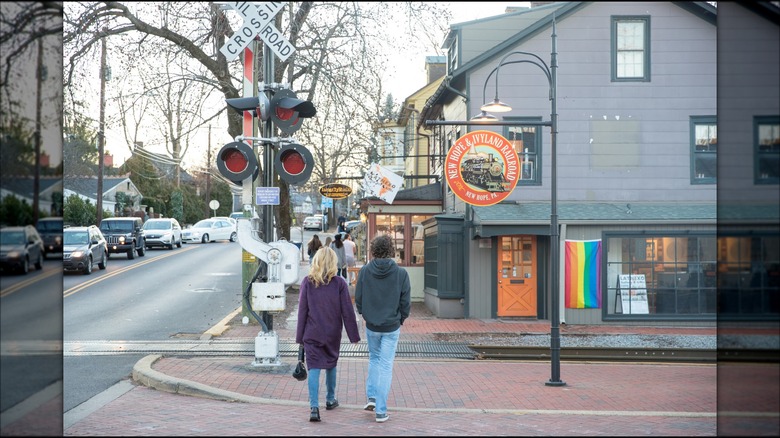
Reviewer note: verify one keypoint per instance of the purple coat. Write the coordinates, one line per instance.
(322, 311)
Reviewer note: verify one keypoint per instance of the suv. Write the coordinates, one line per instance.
(83, 247)
(164, 232)
(50, 230)
(19, 248)
(124, 235)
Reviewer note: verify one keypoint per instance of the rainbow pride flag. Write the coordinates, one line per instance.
(583, 274)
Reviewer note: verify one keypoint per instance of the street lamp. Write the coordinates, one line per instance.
(497, 106)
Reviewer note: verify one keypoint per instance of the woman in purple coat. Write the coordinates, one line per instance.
(324, 307)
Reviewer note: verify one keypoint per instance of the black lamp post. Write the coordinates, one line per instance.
(497, 106)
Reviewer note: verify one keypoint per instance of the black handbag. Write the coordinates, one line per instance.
(299, 372)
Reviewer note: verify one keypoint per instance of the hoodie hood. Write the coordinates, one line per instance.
(381, 268)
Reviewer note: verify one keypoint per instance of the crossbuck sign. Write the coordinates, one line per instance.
(257, 22)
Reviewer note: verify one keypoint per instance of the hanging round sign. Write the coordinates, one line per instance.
(482, 168)
(335, 191)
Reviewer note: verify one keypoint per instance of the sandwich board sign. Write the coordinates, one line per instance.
(257, 22)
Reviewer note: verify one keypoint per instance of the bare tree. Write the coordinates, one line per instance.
(337, 63)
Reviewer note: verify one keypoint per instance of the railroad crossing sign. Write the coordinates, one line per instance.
(257, 22)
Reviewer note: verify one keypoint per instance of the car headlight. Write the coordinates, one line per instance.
(121, 239)
(14, 254)
(77, 254)
(58, 240)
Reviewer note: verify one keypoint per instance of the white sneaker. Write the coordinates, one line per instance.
(370, 406)
(381, 418)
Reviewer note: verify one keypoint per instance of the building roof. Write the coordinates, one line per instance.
(87, 186)
(23, 186)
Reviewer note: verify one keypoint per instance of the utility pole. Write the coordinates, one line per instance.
(101, 130)
(37, 181)
(208, 174)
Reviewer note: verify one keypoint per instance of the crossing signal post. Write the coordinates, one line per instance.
(292, 162)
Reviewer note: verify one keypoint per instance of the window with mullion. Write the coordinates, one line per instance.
(630, 49)
(704, 150)
(527, 141)
(766, 138)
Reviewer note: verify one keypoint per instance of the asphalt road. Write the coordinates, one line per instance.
(166, 294)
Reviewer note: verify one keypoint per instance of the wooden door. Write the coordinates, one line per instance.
(517, 276)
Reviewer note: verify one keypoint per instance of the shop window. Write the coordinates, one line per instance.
(406, 230)
(675, 276)
(749, 276)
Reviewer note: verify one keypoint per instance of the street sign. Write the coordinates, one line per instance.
(326, 203)
(257, 22)
(267, 195)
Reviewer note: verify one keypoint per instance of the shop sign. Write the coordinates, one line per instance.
(482, 168)
(335, 191)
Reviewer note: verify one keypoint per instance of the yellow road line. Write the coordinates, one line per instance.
(94, 281)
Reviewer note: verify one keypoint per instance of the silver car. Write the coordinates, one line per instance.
(162, 232)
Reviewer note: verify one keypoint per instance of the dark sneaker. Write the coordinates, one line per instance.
(331, 405)
(381, 418)
(370, 406)
(315, 414)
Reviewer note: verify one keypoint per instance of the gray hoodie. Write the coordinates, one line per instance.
(383, 295)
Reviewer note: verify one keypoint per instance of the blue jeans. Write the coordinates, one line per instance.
(314, 386)
(381, 353)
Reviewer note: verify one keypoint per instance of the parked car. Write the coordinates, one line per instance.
(83, 248)
(210, 230)
(50, 230)
(20, 246)
(313, 223)
(351, 225)
(164, 232)
(229, 219)
(124, 235)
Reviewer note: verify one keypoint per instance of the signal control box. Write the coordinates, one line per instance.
(269, 297)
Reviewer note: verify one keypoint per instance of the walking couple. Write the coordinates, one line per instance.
(382, 297)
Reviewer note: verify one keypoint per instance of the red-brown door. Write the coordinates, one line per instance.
(517, 276)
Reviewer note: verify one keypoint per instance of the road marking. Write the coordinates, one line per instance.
(221, 326)
(29, 281)
(94, 281)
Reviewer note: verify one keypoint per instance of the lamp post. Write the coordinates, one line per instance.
(497, 106)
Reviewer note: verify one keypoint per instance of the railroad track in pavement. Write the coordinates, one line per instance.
(426, 350)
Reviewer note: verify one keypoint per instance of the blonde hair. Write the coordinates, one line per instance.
(323, 266)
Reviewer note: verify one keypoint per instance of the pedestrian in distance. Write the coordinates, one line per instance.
(314, 244)
(341, 253)
(383, 297)
(324, 307)
(350, 247)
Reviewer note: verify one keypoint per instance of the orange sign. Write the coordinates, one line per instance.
(482, 168)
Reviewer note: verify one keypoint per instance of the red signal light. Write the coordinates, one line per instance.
(234, 160)
(294, 163)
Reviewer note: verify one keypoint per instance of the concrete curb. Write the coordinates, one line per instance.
(144, 375)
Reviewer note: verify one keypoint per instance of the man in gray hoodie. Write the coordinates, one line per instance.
(383, 297)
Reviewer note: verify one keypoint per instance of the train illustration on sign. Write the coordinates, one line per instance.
(484, 171)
